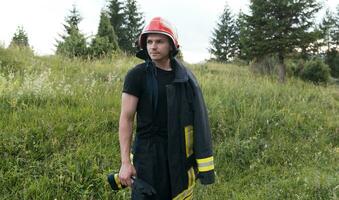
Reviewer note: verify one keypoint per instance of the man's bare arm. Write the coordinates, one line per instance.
(128, 110)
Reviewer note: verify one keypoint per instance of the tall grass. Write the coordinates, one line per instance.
(272, 141)
(59, 123)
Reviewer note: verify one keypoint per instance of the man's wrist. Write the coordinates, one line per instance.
(126, 162)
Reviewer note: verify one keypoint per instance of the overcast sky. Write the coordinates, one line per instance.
(42, 20)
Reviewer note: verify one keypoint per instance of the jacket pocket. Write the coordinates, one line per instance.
(189, 140)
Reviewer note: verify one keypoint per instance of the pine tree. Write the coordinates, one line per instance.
(278, 27)
(20, 38)
(134, 23)
(224, 40)
(117, 19)
(105, 41)
(237, 27)
(335, 33)
(73, 43)
(332, 54)
(240, 27)
(327, 29)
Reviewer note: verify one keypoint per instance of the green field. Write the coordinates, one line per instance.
(59, 130)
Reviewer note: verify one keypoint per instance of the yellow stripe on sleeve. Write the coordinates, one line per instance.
(205, 164)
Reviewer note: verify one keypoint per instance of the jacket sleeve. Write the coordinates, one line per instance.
(202, 136)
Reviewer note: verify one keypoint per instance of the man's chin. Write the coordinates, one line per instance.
(155, 57)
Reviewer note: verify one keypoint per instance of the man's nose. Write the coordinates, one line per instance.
(153, 45)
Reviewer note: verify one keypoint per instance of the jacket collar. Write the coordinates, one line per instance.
(180, 72)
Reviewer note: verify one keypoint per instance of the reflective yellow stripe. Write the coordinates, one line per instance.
(117, 180)
(206, 169)
(189, 196)
(191, 177)
(205, 164)
(189, 140)
(188, 193)
(205, 160)
(185, 193)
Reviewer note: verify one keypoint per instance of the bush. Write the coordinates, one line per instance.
(267, 65)
(294, 67)
(316, 71)
(14, 59)
(332, 59)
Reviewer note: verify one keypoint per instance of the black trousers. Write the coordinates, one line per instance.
(151, 163)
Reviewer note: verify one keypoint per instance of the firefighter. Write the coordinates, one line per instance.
(172, 146)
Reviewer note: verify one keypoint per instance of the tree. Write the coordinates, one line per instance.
(279, 27)
(224, 40)
(332, 60)
(134, 23)
(241, 28)
(239, 23)
(332, 55)
(105, 41)
(20, 38)
(117, 19)
(335, 32)
(73, 43)
(327, 28)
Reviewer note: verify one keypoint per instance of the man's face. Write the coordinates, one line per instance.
(158, 47)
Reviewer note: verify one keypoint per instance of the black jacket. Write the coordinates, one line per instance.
(189, 138)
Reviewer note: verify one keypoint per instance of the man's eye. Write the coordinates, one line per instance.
(149, 42)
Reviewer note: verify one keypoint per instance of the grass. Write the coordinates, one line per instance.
(59, 124)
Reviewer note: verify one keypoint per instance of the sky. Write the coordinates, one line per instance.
(43, 20)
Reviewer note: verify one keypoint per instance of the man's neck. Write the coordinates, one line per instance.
(165, 64)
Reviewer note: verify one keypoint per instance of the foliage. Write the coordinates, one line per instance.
(73, 43)
(327, 29)
(240, 31)
(332, 60)
(20, 38)
(266, 66)
(335, 31)
(294, 66)
(278, 27)
(15, 59)
(105, 42)
(127, 22)
(225, 37)
(59, 123)
(316, 71)
(180, 56)
(117, 19)
(133, 26)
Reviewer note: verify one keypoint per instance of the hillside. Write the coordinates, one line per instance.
(59, 124)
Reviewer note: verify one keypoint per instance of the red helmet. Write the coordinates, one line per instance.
(158, 25)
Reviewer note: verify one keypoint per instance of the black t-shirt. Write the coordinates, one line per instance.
(135, 84)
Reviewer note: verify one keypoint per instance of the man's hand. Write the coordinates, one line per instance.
(127, 170)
